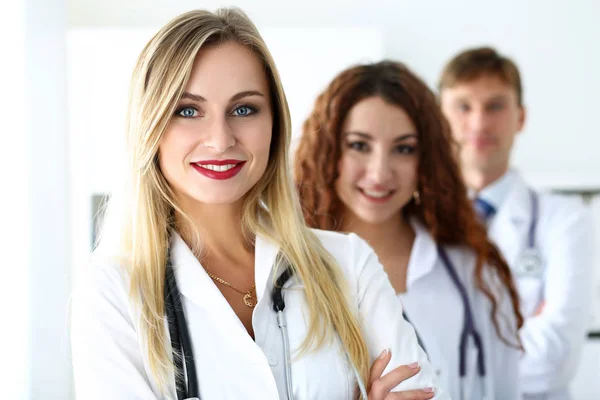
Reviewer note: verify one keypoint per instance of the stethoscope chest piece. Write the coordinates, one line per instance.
(529, 264)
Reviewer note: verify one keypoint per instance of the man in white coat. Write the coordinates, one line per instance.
(546, 239)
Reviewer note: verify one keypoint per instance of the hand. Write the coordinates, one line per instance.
(540, 309)
(380, 386)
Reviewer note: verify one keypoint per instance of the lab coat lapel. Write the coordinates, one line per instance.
(423, 255)
(195, 284)
(509, 228)
(265, 256)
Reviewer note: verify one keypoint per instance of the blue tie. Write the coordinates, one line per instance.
(484, 209)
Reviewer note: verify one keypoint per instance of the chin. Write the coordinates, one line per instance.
(217, 198)
(480, 160)
(374, 218)
(484, 153)
(484, 163)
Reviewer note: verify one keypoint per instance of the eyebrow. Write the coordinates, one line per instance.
(194, 97)
(369, 137)
(246, 93)
(497, 97)
(235, 97)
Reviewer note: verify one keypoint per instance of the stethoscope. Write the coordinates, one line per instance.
(530, 261)
(469, 330)
(187, 385)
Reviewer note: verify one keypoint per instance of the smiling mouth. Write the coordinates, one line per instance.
(483, 142)
(217, 168)
(377, 195)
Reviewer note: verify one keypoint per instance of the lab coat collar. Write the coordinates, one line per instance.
(516, 208)
(497, 192)
(195, 284)
(508, 227)
(423, 255)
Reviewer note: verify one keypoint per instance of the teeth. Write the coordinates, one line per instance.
(218, 168)
(377, 195)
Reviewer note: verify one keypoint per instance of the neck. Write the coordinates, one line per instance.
(477, 179)
(386, 238)
(219, 226)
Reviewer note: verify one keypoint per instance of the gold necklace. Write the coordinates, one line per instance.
(249, 296)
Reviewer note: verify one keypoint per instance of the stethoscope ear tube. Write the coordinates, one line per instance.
(276, 294)
(469, 328)
(176, 313)
(174, 334)
(534, 219)
(278, 307)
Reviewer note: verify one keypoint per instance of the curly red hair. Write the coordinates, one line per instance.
(444, 208)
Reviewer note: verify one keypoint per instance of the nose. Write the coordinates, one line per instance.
(219, 135)
(477, 121)
(379, 170)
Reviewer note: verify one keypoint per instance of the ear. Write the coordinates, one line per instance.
(522, 117)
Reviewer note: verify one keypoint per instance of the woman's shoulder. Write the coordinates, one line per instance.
(103, 266)
(342, 244)
(350, 251)
(102, 282)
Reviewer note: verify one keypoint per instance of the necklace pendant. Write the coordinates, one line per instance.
(249, 300)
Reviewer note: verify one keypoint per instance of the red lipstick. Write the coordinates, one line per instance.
(219, 169)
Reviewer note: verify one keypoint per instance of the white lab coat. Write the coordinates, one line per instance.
(434, 306)
(110, 362)
(552, 340)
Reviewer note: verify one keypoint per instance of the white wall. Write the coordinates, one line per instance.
(15, 230)
(46, 109)
(35, 256)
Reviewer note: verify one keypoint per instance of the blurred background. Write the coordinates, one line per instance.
(64, 78)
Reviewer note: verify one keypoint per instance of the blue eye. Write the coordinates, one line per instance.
(187, 112)
(243, 111)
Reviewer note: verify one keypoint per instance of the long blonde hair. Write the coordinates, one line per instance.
(140, 216)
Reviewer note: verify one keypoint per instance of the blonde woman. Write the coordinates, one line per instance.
(206, 274)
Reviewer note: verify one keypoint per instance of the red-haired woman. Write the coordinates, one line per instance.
(377, 158)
